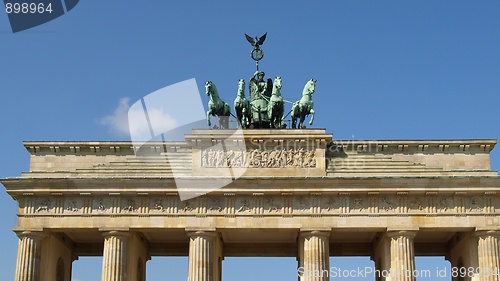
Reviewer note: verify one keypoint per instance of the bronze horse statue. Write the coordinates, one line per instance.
(304, 106)
(242, 106)
(216, 106)
(276, 105)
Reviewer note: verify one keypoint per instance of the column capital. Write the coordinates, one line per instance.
(118, 233)
(398, 233)
(482, 233)
(314, 232)
(32, 234)
(201, 233)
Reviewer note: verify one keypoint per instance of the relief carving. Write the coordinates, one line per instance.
(245, 206)
(329, 205)
(416, 204)
(272, 207)
(44, 205)
(130, 207)
(302, 206)
(72, 206)
(158, 205)
(256, 158)
(101, 205)
(387, 205)
(357, 203)
(187, 206)
(475, 204)
(215, 204)
(444, 204)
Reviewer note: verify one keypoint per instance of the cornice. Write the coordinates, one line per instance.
(397, 146)
(416, 146)
(275, 185)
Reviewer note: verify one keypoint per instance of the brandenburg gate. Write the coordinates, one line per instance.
(297, 193)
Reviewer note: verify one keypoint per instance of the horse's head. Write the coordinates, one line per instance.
(277, 82)
(309, 87)
(241, 87)
(208, 87)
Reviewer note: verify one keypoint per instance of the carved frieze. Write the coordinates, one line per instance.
(285, 204)
(284, 158)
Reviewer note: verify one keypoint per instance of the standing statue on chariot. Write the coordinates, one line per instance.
(258, 87)
(260, 92)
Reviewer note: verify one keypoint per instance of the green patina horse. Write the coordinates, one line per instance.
(242, 106)
(276, 105)
(216, 106)
(304, 106)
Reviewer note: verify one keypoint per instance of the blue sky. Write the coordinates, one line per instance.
(385, 70)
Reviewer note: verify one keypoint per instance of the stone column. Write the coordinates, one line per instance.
(314, 256)
(402, 255)
(488, 250)
(201, 255)
(28, 256)
(114, 258)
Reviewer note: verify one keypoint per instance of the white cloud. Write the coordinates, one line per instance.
(131, 120)
(159, 120)
(118, 121)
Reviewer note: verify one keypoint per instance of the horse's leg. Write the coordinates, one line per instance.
(248, 115)
(301, 124)
(208, 117)
(221, 122)
(312, 116)
(282, 115)
(243, 117)
(270, 116)
(239, 116)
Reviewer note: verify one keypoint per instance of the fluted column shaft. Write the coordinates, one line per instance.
(28, 256)
(201, 256)
(315, 256)
(402, 255)
(114, 258)
(488, 255)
